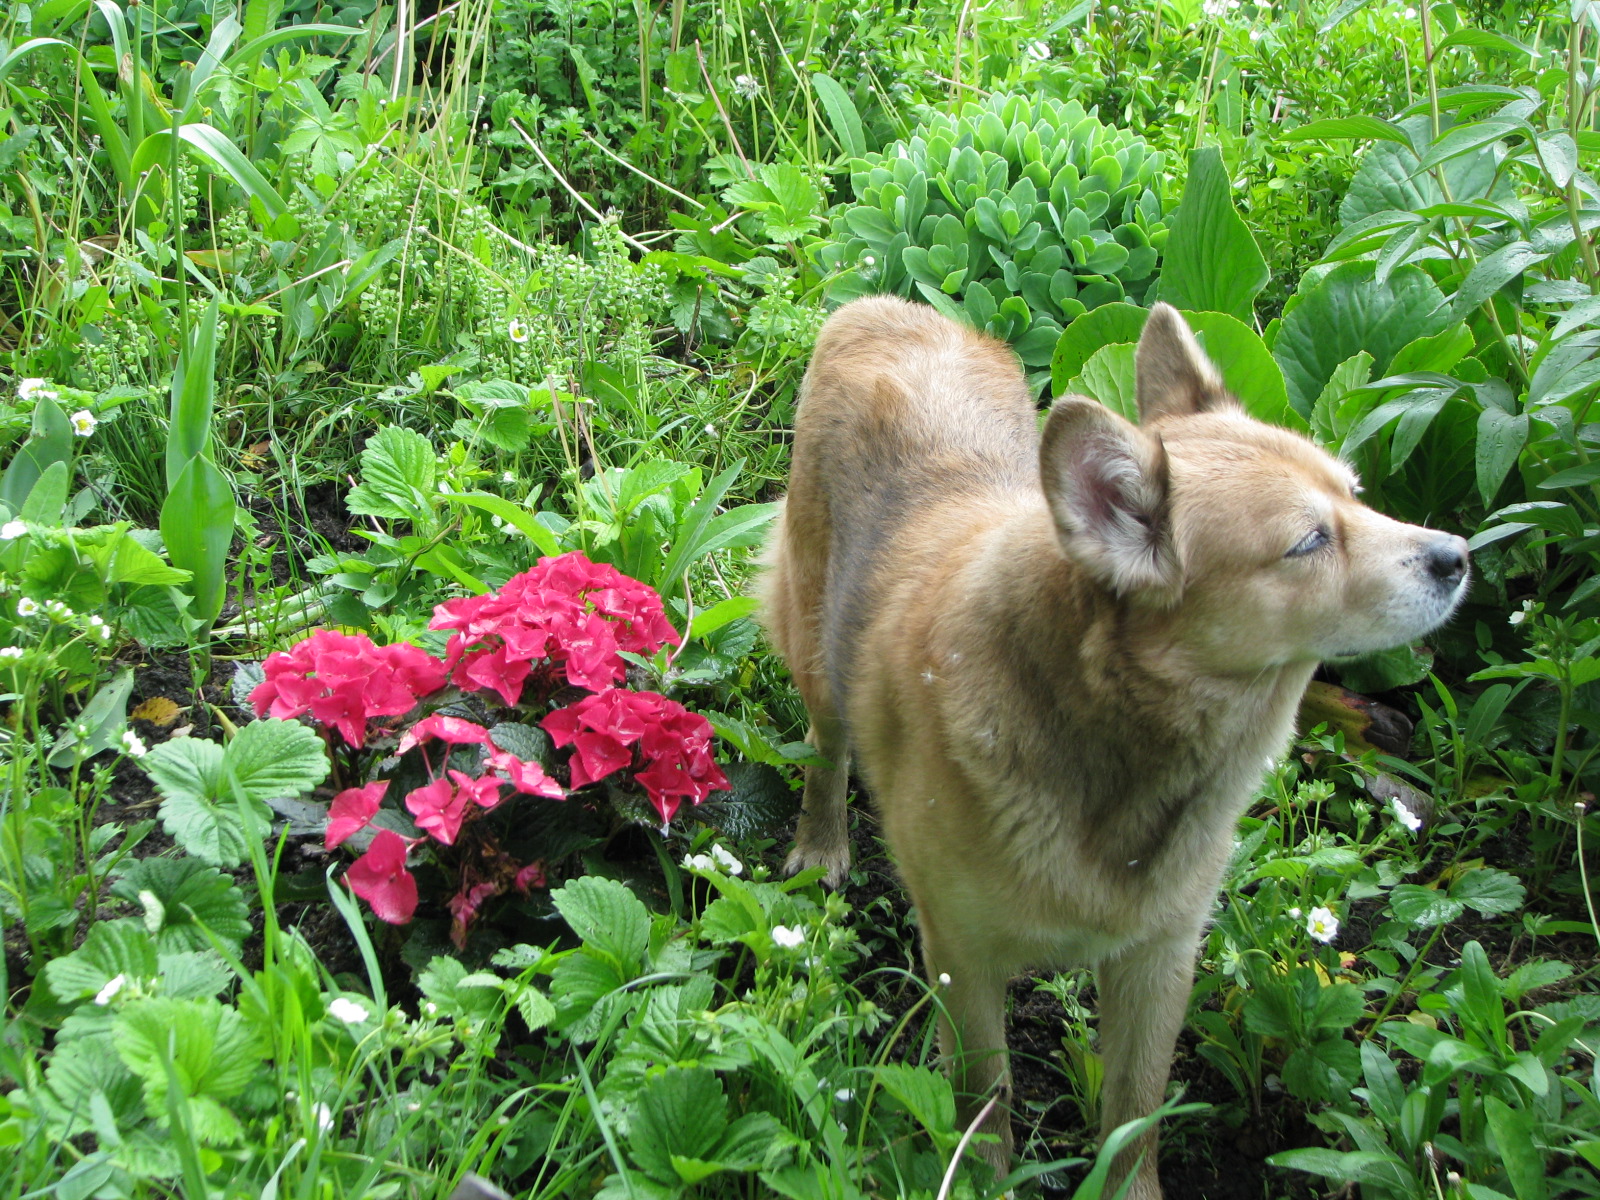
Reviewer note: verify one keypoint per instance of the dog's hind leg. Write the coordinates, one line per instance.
(1144, 993)
(823, 837)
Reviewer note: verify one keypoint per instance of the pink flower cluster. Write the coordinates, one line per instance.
(438, 808)
(674, 743)
(567, 610)
(344, 680)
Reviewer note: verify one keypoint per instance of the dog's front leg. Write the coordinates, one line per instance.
(972, 1039)
(1144, 993)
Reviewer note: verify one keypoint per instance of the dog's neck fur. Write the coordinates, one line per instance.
(1141, 747)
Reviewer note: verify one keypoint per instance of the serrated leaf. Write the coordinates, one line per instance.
(1423, 906)
(211, 1049)
(272, 758)
(399, 472)
(926, 1095)
(607, 916)
(187, 772)
(680, 1113)
(191, 895)
(760, 800)
(1488, 891)
(112, 948)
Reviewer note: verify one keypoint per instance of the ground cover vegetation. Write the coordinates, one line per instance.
(394, 779)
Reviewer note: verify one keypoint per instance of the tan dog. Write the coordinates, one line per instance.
(1061, 663)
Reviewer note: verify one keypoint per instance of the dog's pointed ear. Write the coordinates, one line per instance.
(1174, 376)
(1108, 488)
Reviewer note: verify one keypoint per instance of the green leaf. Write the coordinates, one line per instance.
(112, 948)
(1493, 272)
(48, 499)
(842, 114)
(193, 391)
(50, 442)
(926, 1095)
(760, 801)
(1248, 368)
(1351, 1166)
(268, 759)
(399, 472)
(1110, 324)
(105, 716)
(1389, 178)
(212, 147)
(513, 515)
(1488, 891)
(1501, 437)
(607, 916)
(1423, 906)
(1347, 312)
(197, 520)
(1385, 670)
(679, 1114)
(211, 1051)
(1517, 1135)
(1364, 128)
(189, 895)
(1108, 377)
(1211, 262)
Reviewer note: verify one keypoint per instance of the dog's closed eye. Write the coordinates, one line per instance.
(1310, 544)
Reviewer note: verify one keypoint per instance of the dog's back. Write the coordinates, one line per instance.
(901, 411)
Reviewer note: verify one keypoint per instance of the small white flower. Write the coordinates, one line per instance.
(726, 860)
(507, 477)
(132, 745)
(844, 1095)
(868, 260)
(788, 938)
(1522, 614)
(1257, 34)
(517, 330)
(27, 607)
(35, 389)
(430, 1009)
(1294, 914)
(698, 862)
(347, 1011)
(747, 86)
(106, 994)
(711, 430)
(1039, 50)
(1404, 815)
(1322, 924)
(323, 1116)
(944, 979)
(12, 530)
(11, 652)
(1411, 14)
(83, 422)
(58, 610)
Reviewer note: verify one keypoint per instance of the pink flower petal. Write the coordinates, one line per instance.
(352, 809)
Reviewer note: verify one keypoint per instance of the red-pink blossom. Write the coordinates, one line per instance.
(531, 876)
(527, 777)
(380, 878)
(464, 906)
(571, 611)
(352, 809)
(454, 730)
(674, 743)
(484, 791)
(345, 680)
(439, 809)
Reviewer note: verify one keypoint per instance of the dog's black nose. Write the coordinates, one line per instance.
(1447, 559)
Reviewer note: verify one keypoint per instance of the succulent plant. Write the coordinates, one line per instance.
(1019, 214)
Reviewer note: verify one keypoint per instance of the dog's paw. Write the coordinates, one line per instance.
(836, 862)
